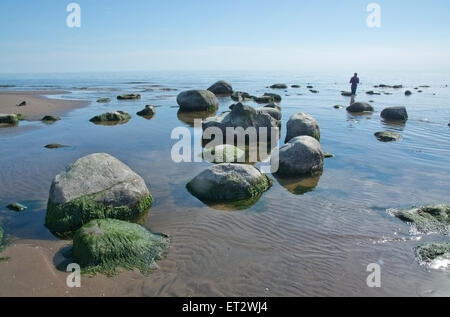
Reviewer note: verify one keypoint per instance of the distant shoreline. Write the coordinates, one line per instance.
(37, 104)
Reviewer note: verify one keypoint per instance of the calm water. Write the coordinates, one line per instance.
(290, 243)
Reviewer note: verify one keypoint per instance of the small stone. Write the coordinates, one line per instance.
(17, 207)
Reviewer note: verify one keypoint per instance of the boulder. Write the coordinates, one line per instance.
(50, 119)
(279, 86)
(224, 153)
(408, 93)
(129, 97)
(197, 100)
(96, 186)
(148, 111)
(273, 105)
(359, 107)
(9, 119)
(243, 116)
(300, 156)
(427, 219)
(395, 114)
(276, 97)
(240, 96)
(105, 245)
(111, 117)
(229, 182)
(302, 124)
(221, 89)
(104, 100)
(263, 99)
(273, 112)
(388, 136)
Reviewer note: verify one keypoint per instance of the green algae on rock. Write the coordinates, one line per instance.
(10, 119)
(111, 117)
(428, 219)
(105, 245)
(96, 186)
(436, 255)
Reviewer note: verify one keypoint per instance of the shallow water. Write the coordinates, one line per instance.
(293, 241)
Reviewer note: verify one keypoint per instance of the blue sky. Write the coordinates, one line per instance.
(146, 35)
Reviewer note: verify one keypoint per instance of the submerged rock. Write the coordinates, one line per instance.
(129, 97)
(279, 86)
(221, 89)
(395, 114)
(197, 100)
(112, 117)
(300, 156)
(9, 119)
(388, 136)
(17, 207)
(96, 186)
(224, 153)
(50, 119)
(229, 182)
(359, 107)
(428, 219)
(437, 255)
(105, 245)
(149, 111)
(302, 124)
(104, 100)
(54, 146)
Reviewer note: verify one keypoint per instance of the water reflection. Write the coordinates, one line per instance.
(188, 117)
(299, 185)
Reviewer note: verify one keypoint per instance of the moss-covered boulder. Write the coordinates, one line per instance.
(388, 136)
(229, 182)
(129, 97)
(302, 124)
(436, 255)
(11, 119)
(96, 186)
(428, 219)
(105, 245)
(111, 117)
(224, 153)
(197, 100)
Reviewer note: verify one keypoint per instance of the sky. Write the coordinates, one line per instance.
(235, 35)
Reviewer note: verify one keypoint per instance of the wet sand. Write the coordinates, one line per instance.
(37, 105)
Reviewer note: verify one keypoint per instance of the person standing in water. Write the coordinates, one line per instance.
(355, 82)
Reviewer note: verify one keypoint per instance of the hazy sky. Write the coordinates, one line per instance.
(117, 35)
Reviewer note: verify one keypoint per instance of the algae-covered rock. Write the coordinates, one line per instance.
(388, 136)
(111, 117)
(96, 186)
(302, 124)
(17, 207)
(229, 182)
(10, 119)
(436, 255)
(105, 245)
(197, 100)
(224, 153)
(428, 219)
(129, 97)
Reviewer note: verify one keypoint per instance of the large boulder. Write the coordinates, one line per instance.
(96, 186)
(229, 182)
(197, 100)
(302, 124)
(395, 114)
(427, 219)
(243, 116)
(8, 119)
(359, 107)
(221, 89)
(104, 245)
(302, 155)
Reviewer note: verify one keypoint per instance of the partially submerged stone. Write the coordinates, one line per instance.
(279, 86)
(302, 124)
(436, 255)
(197, 100)
(359, 107)
(346, 93)
(240, 96)
(221, 89)
(395, 114)
(104, 100)
(428, 219)
(105, 245)
(148, 112)
(111, 117)
(54, 146)
(10, 119)
(96, 186)
(17, 207)
(276, 97)
(229, 182)
(388, 136)
(22, 104)
(129, 97)
(50, 119)
(224, 153)
(338, 107)
(408, 93)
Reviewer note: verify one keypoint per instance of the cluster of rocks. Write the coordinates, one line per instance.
(97, 201)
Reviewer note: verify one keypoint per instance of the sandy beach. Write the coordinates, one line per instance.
(37, 105)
